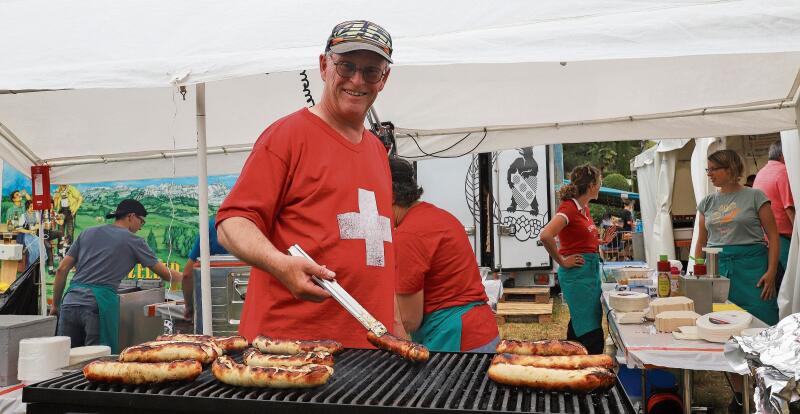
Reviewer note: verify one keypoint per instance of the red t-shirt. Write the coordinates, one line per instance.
(773, 180)
(306, 184)
(580, 235)
(434, 255)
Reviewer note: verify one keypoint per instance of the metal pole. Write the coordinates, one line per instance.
(687, 391)
(202, 190)
(42, 268)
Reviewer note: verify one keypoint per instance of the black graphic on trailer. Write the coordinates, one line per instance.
(522, 176)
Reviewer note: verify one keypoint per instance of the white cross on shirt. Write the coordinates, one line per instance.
(368, 225)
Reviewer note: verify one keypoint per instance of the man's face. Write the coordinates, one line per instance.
(351, 97)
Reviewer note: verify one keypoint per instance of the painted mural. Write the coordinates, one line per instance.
(171, 204)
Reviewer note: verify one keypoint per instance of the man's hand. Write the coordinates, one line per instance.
(767, 285)
(573, 260)
(54, 310)
(295, 273)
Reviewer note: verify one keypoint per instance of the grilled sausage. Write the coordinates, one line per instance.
(226, 344)
(213, 345)
(291, 346)
(230, 372)
(142, 373)
(556, 362)
(170, 351)
(549, 379)
(405, 349)
(548, 347)
(231, 343)
(254, 358)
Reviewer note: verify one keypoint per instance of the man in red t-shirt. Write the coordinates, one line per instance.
(773, 180)
(318, 179)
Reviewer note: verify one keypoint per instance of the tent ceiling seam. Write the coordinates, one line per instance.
(721, 110)
(140, 156)
(9, 136)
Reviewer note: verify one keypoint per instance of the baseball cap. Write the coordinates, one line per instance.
(127, 206)
(360, 35)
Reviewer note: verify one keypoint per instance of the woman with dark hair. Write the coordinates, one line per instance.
(440, 296)
(577, 257)
(735, 218)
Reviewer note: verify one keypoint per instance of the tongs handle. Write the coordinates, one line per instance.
(340, 295)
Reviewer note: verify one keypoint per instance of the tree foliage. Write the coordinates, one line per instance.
(617, 181)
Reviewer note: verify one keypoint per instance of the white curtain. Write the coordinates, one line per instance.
(655, 171)
(700, 182)
(789, 295)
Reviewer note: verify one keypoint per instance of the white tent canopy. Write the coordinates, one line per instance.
(526, 72)
(517, 74)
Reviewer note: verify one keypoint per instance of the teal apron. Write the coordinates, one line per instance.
(108, 311)
(441, 330)
(581, 288)
(744, 265)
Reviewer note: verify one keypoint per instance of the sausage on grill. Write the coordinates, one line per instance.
(556, 362)
(254, 358)
(226, 344)
(168, 351)
(230, 372)
(142, 373)
(213, 345)
(405, 349)
(291, 346)
(549, 379)
(548, 347)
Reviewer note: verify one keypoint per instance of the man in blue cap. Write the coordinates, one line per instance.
(102, 256)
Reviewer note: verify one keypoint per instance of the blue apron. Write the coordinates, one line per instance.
(441, 330)
(581, 288)
(744, 265)
(108, 311)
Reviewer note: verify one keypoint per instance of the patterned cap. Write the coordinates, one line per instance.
(360, 35)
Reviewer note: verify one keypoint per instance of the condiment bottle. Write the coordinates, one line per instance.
(674, 282)
(700, 267)
(664, 286)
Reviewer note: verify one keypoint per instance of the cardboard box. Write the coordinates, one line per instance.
(13, 328)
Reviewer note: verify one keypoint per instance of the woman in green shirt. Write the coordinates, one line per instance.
(735, 218)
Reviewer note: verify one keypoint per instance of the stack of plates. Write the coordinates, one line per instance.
(721, 326)
(627, 301)
(85, 353)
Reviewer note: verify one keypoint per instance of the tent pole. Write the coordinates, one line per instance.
(42, 268)
(202, 190)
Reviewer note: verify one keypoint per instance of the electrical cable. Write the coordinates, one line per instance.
(433, 154)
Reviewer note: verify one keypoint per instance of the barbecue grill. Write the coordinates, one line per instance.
(363, 381)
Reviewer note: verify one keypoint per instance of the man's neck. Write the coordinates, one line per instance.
(352, 130)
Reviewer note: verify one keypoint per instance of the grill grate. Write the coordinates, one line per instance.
(363, 381)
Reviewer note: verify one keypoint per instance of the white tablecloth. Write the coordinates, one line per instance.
(642, 344)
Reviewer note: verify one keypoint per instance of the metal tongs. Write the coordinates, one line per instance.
(348, 302)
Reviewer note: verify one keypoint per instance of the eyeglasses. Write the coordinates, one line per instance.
(141, 219)
(370, 74)
(712, 169)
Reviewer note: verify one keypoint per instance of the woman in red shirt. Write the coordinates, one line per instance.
(578, 258)
(440, 296)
